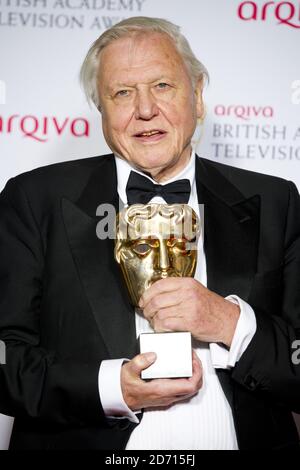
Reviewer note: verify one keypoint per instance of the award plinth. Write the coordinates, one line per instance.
(173, 351)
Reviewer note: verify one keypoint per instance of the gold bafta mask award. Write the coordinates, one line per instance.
(153, 242)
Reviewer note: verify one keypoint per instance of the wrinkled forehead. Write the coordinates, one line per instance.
(137, 47)
(139, 57)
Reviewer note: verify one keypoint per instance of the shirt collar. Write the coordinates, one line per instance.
(124, 169)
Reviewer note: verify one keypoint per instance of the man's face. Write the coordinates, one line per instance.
(149, 107)
(155, 249)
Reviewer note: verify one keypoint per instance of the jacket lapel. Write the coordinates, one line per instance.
(231, 231)
(94, 259)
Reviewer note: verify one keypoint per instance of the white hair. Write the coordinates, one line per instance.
(138, 24)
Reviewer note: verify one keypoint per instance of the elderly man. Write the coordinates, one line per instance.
(72, 373)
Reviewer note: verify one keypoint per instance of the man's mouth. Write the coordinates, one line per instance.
(152, 135)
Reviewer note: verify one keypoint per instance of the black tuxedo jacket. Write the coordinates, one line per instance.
(64, 308)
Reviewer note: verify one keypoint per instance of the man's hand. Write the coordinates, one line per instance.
(139, 394)
(184, 304)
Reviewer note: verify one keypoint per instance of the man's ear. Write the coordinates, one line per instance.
(199, 98)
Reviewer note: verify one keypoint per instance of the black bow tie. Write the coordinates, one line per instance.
(141, 190)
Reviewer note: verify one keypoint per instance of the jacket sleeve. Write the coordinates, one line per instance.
(270, 364)
(33, 382)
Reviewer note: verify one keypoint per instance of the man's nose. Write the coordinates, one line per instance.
(145, 107)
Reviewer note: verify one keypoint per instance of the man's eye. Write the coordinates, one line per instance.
(162, 85)
(122, 93)
(142, 248)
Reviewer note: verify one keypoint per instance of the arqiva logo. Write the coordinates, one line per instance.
(41, 128)
(287, 13)
(244, 112)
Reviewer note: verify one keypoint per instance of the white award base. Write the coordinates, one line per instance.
(174, 355)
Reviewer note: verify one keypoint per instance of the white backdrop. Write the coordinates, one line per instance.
(253, 100)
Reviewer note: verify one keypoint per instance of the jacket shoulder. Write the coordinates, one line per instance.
(247, 181)
(61, 170)
(45, 186)
(59, 179)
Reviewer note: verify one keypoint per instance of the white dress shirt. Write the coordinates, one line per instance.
(204, 421)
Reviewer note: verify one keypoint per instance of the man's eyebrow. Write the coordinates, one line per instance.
(132, 85)
(112, 87)
(120, 84)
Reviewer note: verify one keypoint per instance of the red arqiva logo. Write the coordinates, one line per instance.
(284, 12)
(39, 128)
(244, 112)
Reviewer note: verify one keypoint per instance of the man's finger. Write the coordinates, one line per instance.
(171, 387)
(166, 301)
(169, 324)
(142, 361)
(159, 287)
